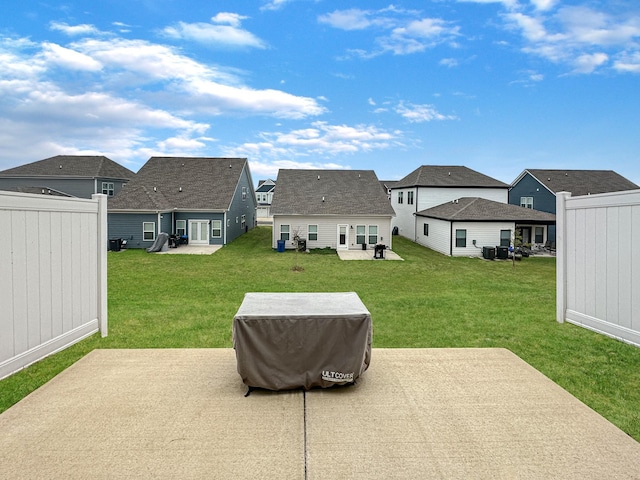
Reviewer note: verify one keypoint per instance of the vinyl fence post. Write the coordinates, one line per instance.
(561, 255)
(102, 263)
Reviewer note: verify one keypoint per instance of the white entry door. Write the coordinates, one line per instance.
(343, 237)
(198, 232)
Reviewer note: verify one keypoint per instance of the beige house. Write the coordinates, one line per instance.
(341, 209)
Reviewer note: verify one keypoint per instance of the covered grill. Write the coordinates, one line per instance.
(301, 340)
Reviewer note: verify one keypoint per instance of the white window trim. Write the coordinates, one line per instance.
(213, 227)
(309, 232)
(153, 231)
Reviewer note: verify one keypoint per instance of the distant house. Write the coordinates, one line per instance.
(341, 209)
(537, 188)
(432, 185)
(209, 201)
(74, 175)
(463, 226)
(264, 196)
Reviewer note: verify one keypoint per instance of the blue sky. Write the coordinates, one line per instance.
(495, 85)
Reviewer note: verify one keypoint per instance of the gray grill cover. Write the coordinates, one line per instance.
(301, 340)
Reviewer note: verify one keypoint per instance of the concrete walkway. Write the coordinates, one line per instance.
(415, 414)
(192, 250)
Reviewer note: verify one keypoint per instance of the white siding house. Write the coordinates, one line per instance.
(341, 209)
(462, 227)
(429, 186)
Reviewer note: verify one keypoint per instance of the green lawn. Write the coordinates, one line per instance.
(429, 300)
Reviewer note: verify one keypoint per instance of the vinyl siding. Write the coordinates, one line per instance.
(241, 207)
(128, 226)
(486, 234)
(426, 197)
(328, 230)
(439, 234)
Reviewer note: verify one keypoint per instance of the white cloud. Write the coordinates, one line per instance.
(578, 36)
(274, 5)
(544, 4)
(420, 113)
(67, 58)
(403, 31)
(587, 63)
(321, 138)
(233, 19)
(216, 34)
(448, 62)
(506, 3)
(628, 62)
(73, 30)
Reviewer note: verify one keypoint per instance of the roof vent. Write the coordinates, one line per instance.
(155, 189)
(566, 174)
(449, 173)
(318, 177)
(322, 197)
(180, 189)
(60, 166)
(229, 165)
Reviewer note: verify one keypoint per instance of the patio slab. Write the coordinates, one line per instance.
(366, 255)
(416, 413)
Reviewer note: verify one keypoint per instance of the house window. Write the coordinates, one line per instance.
(181, 227)
(400, 194)
(313, 232)
(244, 193)
(505, 238)
(148, 231)
(461, 238)
(526, 202)
(539, 235)
(107, 188)
(284, 232)
(410, 198)
(243, 221)
(216, 228)
(425, 229)
(373, 234)
(360, 234)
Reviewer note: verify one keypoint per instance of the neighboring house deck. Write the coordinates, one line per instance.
(74, 175)
(432, 185)
(463, 226)
(537, 188)
(341, 209)
(209, 201)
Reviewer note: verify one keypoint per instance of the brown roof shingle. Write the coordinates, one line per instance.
(582, 182)
(474, 209)
(444, 176)
(329, 192)
(85, 166)
(183, 183)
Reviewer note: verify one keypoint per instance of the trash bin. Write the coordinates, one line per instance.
(280, 245)
(364, 246)
(302, 244)
(114, 245)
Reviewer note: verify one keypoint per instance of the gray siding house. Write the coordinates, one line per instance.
(74, 175)
(465, 225)
(537, 188)
(341, 209)
(432, 185)
(207, 201)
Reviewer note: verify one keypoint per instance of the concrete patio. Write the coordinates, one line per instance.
(416, 413)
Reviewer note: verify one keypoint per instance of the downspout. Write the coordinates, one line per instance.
(159, 222)
(224, 223)
(415, 217)
(451, 239)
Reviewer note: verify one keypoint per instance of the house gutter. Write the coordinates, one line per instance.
(451, 238)
(415, 217)
(224, 222)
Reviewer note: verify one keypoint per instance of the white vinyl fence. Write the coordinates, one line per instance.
(53, 275)
(598, 263)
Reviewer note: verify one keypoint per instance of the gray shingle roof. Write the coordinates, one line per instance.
(345, 192)
(38, 191)
(582, 182)
(85, 166)
(476, 209)
(184, 183)
(444, 176)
